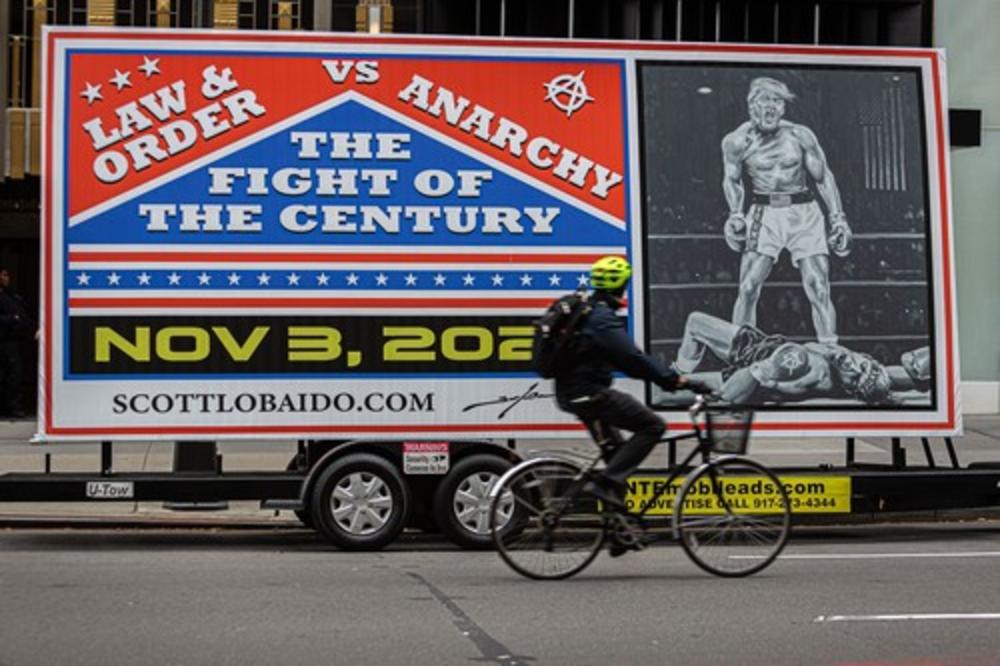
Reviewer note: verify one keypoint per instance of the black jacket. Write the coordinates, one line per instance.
(604, 346)
(14, 321)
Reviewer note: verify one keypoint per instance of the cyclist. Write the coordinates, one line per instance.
(583, 387)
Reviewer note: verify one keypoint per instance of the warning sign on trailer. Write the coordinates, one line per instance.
(425, 457)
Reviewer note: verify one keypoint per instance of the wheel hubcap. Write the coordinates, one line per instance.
(361, 503)
(472, 504)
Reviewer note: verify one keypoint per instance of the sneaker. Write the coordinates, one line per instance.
(617, 548)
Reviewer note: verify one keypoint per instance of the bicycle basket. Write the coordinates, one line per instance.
(728, 429)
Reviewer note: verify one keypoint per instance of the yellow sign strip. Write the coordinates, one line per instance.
(751, 494)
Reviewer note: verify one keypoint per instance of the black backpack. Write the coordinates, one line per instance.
(556, 332)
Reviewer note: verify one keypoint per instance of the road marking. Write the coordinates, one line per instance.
(492, 650)
(882, 556)
(908, 617)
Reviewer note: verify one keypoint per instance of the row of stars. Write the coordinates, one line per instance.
(174, 278)
(149, 67)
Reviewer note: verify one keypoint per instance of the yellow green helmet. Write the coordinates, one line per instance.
(610, 273)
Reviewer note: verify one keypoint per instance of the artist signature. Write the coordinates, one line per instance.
(510, 401)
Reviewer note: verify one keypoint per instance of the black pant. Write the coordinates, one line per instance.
(10, 376)
(607, 411)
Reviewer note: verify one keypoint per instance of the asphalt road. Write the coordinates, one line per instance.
(902, 594)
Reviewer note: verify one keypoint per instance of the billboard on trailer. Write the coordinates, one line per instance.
(256, 235)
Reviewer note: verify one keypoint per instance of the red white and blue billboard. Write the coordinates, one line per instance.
(259, 235)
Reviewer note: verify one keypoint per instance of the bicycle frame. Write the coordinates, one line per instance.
(703, 449)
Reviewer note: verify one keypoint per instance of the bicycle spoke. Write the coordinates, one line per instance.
(551, 532)
(733, 540)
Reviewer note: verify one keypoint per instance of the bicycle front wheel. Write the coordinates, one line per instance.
(732, 517)
(554, 529)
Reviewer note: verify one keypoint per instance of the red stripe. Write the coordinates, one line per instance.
(416, 256)
(945, 242)
(274, 302)
(194, 430)
(47, 226)
(458, 428)
(508, 43)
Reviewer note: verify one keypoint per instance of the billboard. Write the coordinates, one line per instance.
(304, 235)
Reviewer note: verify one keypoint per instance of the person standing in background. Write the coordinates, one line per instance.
(15, 327)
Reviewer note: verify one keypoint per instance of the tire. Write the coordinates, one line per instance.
(555, 531)
(304, 515)
(741, 533)
(360, 502)
(462, 500)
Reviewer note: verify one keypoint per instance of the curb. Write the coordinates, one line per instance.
(132, 521)
(237, 522)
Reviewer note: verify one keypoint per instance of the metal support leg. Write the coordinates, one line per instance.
(898, 454)
(927, 452)
(201, 457)
(850, 452)
(951, 452)
(302, 455)
(107, 460)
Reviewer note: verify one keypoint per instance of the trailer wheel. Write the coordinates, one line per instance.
(360, 502)
(462, 500)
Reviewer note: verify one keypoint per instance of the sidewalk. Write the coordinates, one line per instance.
(981, 443)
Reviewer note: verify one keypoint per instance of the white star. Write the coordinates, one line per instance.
(411, 279)
(92, 93)
(263, 279)
(204, 278)
(114, 278)
(143, 278)
(468, 280)
(439, 280)
(174, 278)
(233, 278)
(293, 279)
(150, 67)
(352, 280)
(322, 279)
(120, 80)
(582, 280)
(381, 280)
(83, 279)
(525, 280)
(554, 280)
(791, 361)
(497, 280)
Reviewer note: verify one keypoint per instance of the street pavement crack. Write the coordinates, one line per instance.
(493, 651)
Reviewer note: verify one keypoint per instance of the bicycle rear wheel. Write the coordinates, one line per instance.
(732, 517)
(555, 530)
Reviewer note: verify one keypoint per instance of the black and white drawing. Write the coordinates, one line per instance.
(786, 235)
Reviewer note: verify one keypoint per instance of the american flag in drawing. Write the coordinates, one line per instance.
(118, 279)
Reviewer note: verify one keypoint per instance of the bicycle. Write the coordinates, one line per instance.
(731, 516)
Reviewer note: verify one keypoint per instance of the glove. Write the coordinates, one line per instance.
(840, 236)
(735, 231)
(695, 386)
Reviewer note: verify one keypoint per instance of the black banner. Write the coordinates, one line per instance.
(284, 345)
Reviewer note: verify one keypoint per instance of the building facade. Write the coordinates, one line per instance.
(841, 22)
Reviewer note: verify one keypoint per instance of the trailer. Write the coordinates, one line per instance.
(356, 266)
(358, 495)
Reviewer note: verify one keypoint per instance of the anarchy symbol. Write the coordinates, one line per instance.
(568, 93)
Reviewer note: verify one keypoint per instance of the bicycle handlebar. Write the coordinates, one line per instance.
(701, 401)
